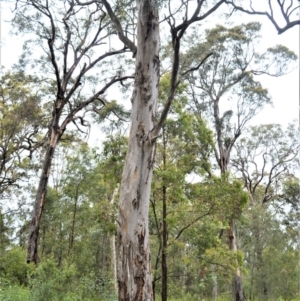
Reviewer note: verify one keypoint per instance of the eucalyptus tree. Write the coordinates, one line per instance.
(74, 44)
(229, 76)
(134, 273)
(264, 158)
(134, 264)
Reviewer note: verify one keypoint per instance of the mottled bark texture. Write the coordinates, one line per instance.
(134, 267)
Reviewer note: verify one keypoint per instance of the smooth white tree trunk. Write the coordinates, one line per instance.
(112, 241)
(134, 267)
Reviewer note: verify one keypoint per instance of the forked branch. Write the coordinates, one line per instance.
(286, 13)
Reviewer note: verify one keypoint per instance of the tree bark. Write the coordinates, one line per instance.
(113, 247)
(134, 267)
(237, 280)
(113, 261)
(32, 249)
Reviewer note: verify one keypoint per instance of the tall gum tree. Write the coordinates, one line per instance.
(134, 273)
(68, 34)
(264, 158)
(230, 75)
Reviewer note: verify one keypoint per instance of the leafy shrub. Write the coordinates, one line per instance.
(52, 283)
(14, 268)
(13, 292)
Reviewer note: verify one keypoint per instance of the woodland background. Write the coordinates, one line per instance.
(213, 171)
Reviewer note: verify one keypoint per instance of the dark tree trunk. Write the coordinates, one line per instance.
(158, 255)
(32, 250)
(237, 280)
(238, 288)
(164, 267)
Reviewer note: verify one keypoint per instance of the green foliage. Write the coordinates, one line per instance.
(196, 211)
(51, 283)
(14, 267)
(13, 292)
(270, 255)
(21, 126)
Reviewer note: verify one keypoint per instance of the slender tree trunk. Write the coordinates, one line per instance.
(164, 267)
(158, 255)
(215, 283)
(114, 262)
(251, 282)
(237, 280)
(223, 161)
(71, 240)
(134, 267)
(104, 251)
(32, 250)
(112, 240)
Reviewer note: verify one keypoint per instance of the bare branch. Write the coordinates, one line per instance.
(84, 104)
(285, 14)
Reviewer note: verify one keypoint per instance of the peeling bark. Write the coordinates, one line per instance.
(134, 267)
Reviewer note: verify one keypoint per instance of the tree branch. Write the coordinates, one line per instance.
(285, 14)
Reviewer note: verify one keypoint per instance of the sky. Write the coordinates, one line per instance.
(284, 90)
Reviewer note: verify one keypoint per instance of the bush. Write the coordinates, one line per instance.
(14, 268)
(52, 283)
(13, 292)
